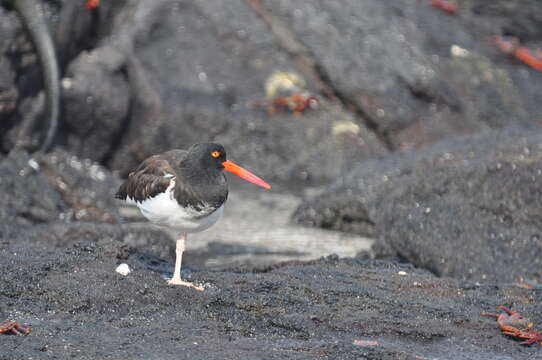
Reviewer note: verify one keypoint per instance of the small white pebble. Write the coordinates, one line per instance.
(33, 164)
(345, 127)
(402, 273)
(458, 51)
(123, 269)
(67, 83)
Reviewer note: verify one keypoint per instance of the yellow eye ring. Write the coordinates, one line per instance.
(215, 154)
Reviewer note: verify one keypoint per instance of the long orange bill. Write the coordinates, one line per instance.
(244, 174)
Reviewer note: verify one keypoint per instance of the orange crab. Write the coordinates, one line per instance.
(92, 4)
(447, 6)
(513, 48)
(297, 103)
(11, 326)
(514, 324)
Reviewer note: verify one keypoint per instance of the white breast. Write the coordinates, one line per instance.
(164, 210)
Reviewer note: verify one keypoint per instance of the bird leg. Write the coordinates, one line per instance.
(176, 279)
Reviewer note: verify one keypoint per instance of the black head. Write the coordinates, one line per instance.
(207, 155)
(209, 159)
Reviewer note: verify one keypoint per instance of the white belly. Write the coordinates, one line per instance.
(164, 210)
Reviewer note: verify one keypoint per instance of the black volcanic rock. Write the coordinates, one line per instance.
(58, 199)
(78, 306)
(419, 74)
(96, 100)
(142, 77)
(9, 94)
(468, 207)
(26, 195)
(57, 186)
(198, 73)
(172, 73)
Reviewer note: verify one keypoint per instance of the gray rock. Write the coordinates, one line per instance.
(95, 100)
(8, 90)
(128, 240)
(401, 65)
(26, 195)
(150, 76)
(58, 199)
(467, 208)
(58, 186)
(195, 71)
(23, 76)
(9, 93)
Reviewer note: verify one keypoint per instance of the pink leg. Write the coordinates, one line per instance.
(176, 279)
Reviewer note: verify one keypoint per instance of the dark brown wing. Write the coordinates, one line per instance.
(151, 178)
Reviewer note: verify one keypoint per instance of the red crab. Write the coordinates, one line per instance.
(92, 4)
(296, 103)
(11, 326)
(449, 7)
(513, 48)
(514, 324)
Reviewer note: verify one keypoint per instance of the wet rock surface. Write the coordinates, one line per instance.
(256, 232)
(468, 208)
(78, 306)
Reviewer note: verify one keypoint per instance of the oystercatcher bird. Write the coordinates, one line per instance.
(184, 190)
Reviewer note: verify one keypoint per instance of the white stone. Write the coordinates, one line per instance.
(123, 269)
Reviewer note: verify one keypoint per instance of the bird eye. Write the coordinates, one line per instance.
(215, 154)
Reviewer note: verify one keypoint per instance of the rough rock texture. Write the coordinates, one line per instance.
(468, 208)
(401, 65)
(71, 27)
(142, 77)
(145, 76)
(193, 71)
(8, 90)
(58, 186)
(58, 198)
(96, 101)
(78, 306)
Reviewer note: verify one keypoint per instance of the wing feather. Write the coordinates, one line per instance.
(151, 178)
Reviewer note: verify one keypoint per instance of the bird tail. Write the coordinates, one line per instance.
(121, 193)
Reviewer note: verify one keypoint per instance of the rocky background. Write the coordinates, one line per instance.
(426, 139)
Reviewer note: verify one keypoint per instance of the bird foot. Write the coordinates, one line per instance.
(178, 281)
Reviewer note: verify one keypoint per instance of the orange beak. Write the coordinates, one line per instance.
(244, 174)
